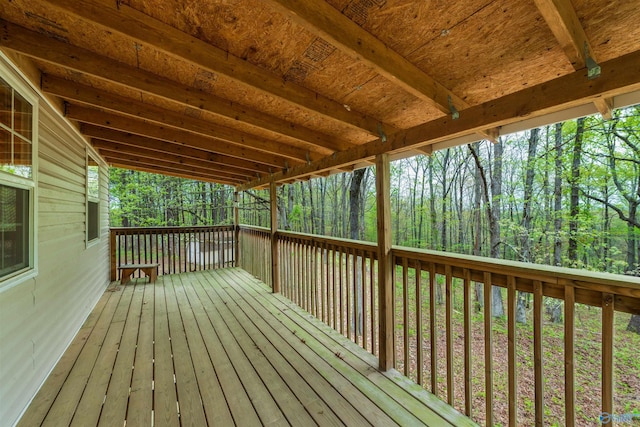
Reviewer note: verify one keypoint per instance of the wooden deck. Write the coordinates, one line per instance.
(217, 348)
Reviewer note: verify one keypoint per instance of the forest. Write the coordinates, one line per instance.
(566, 195)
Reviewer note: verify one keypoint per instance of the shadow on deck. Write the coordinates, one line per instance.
(217, 348)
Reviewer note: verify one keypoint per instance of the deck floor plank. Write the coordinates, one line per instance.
(90, 405)
(188, 395)
(165, 400)
(215, 405)
(315, 371)
(64, 407)
(140, 404)
(289, 402)
(392, 383)
(115, 403)
(266, 407)
(51, 388)
(240, 405)
(218, 348)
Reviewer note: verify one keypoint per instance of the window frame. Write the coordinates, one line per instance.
(91, 157)
(19, 85)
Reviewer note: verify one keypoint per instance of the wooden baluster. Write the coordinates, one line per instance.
(449, 331)
(348, 292)
(405, 315)
(341, 290)
(362, 322)
(275, 262)
(488, 350)
(419, 355)
(113, 255)
(334, 294)
(608, 304)
(432, 329)
(468, 374)
(511, 363)
(373, 291)
(537, 353)
(569, 352)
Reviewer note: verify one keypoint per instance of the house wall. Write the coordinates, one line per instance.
(40, 315)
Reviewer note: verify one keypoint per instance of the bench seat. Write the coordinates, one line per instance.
(150, 270)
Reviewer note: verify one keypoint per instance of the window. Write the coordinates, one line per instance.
(93, 199)
(14, 229)
(16, 182)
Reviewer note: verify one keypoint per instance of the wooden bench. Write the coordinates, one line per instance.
(150, 270)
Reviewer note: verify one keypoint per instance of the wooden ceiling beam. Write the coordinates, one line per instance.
(167, 148)
(119, 17)
(325, 21)
(243, 156)
(48, 49)
(123, 164)
(605, 107)
(154, 162)
(619, 75)
(70, 90)
(563, 21)
(137, 151)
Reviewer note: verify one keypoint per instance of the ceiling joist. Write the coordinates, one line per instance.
(41, 47)
(322, 19)
(164, 38)
(564, 24)
(620, 75)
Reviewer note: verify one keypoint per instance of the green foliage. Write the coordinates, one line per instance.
(140, 199)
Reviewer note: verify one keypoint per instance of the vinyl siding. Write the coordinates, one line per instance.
(40, 316)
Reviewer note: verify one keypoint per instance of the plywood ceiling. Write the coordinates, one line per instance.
(243, 92)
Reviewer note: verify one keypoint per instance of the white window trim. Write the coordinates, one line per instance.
(19, 84)
(90, 155)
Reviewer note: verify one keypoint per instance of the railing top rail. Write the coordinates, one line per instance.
(255, 228)
(545, 273)
(171, 228)
(336, 241)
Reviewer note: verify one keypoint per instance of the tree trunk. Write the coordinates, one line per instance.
(355, 201)
(497, 307)
(557, 194)
(574, 208)
(525, 242)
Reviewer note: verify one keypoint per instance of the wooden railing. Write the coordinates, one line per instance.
(255, 252)
(335, 280)
(175, 249)
(446, 338)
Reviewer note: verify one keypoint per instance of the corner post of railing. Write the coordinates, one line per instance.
(236, 229)
(112, 251)
(385, 267)
(275, 264)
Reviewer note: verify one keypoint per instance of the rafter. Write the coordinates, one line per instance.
(153, 163)
(125, 164)
(620, 75)
(564, 24)
(120, 17)
(323, 20)
(150, 144)
(187, 162)
(178, 136)
(45, 48)
(73, 91)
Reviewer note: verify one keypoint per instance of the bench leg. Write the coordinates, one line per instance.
(126, 275)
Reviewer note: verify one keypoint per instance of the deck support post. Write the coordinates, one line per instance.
(112, 255)
(385, 265)
(275, 262)
(236, 229)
